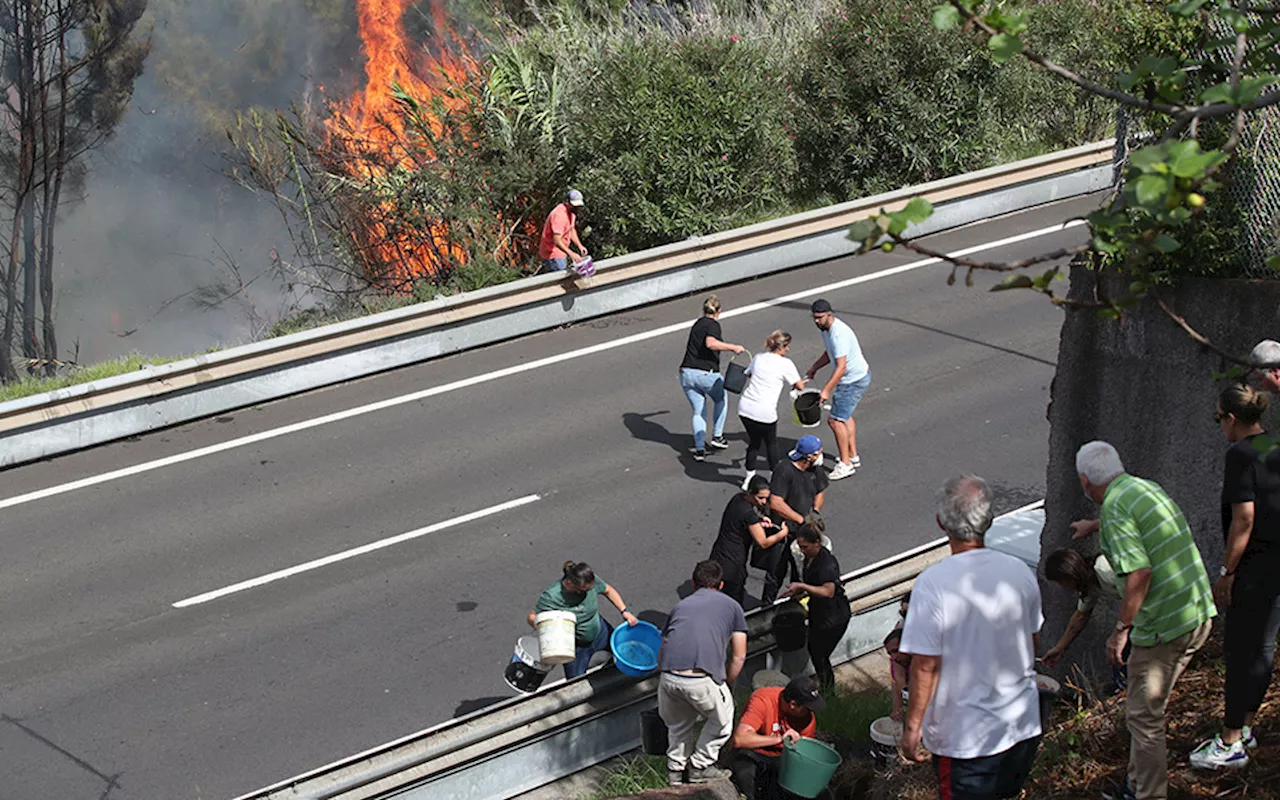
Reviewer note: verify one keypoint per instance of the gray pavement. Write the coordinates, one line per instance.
(109, 691)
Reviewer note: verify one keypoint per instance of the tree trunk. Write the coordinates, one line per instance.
(55, 164)
(30, 272)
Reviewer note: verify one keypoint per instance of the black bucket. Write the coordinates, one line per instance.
(789, 630)
(653, 733)
(808, 408)
(524, 672)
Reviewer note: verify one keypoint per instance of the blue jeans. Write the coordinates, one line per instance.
(555, 264)
(847, 396)
(698, 385)
(584, 652)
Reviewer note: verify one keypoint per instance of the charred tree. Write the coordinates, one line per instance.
(68, 69)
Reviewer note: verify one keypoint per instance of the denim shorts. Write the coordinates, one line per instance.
(847, 396)
(555, 264)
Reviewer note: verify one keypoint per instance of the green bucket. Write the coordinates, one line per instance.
(807, 767)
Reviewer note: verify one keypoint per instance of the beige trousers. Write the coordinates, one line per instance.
(1152, 673)
(682, 703)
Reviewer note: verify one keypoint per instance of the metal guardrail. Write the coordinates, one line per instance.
(156, 397)
(526, 742)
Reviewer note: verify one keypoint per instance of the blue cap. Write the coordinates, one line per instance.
(574, 198)
(807, 446)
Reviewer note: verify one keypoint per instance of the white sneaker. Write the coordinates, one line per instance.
(1246, 736)
(842, 470)
(1214, 754)
(746, 482)
(856, 462)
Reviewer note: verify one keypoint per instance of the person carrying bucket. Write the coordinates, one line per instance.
(767, 375)
(743, 524)
(796, 491)
(850, 378)
(700, 378)
(560, 235)
(578, 592)
(774, 715)
(829, 613)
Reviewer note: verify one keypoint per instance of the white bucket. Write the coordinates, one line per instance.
(556, 639)
(885, 733)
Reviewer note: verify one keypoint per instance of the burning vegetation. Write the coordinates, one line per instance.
(392, 189)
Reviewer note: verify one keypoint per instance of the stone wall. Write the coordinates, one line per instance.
(1144, 386)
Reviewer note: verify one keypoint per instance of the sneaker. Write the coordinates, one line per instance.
(719, 443)
(1246, 736)
(746, 482)
(1215, 754)
(1119, 791)
(857, 462)
(674, 778)
(842, 470)
(699, 455)
(708, 774)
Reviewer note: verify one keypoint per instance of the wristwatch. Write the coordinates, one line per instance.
(1222, 573)
(1120, 626)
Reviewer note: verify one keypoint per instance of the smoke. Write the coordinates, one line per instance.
(158, 218)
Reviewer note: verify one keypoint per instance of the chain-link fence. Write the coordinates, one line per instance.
(1254, 188)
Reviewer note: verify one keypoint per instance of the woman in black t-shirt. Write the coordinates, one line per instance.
(1246, 585)
(742, 524)
(828, 607)
(700, 378)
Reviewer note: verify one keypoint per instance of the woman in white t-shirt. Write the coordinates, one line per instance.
(768, 374)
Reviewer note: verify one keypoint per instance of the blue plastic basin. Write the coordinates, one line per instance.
(635, 649)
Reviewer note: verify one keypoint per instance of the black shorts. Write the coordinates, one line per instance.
(986, 777)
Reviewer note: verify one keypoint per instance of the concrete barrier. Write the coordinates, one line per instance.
(157, 397)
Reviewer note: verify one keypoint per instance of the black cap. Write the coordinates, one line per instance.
(804, 691)
(820, 307)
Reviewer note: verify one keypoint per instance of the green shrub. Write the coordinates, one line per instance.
(677, 138)
(883, 100)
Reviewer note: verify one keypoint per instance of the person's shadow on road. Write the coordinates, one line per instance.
(713, 470)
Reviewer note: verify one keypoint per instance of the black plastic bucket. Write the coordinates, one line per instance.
(789, 630)
(653, 733)
(808, 408)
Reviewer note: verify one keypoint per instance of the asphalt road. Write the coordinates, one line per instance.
(110, 691)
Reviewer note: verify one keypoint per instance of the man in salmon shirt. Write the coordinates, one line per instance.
(560, 234)
(774, 715)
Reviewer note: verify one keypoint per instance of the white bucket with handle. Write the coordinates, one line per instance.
(556, 636)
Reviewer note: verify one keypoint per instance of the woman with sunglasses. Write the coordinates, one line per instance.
(1246, 585)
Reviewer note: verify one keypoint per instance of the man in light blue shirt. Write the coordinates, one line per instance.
(849, 380)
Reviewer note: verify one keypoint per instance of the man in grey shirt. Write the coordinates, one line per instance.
(695, 679)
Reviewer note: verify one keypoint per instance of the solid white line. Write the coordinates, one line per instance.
(527, 366)
(356, 551)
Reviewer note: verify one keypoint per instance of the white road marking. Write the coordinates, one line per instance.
(357, 551)
(527, 366)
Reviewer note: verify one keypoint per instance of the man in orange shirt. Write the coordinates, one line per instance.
(560, 234)
(774, 715)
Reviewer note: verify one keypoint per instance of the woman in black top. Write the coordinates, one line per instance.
(1247, 584)
(700, 377)
(743, 523)
(828, 607)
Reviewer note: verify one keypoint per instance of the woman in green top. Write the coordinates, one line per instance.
(579, 591)
(1092, 581)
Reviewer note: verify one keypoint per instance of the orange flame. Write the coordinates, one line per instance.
(370, 122)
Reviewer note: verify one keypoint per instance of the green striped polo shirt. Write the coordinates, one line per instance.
(1142, 527)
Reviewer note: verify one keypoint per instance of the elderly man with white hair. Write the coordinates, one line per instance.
(1267, 378)
(971, 631)
(1167, 608)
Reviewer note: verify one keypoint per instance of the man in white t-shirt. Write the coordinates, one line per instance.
(972, 631)
(850, 377)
